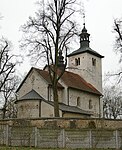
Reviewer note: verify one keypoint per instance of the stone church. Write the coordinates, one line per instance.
(79, 89)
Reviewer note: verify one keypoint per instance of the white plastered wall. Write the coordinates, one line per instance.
(28, 109)
(92, 74)
(84, 101)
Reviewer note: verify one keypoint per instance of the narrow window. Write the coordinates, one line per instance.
(76, 62)
(78, 102)
(90, 104)
(93, 61)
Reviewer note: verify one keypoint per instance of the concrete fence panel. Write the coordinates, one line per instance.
(62, 138)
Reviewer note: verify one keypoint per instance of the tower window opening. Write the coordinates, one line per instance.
(85, 37)
(77, 61)
(93, 61)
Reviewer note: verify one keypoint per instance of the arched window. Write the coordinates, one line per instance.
(78, 102)
(77, 61)
(93, 61)
(90, 104)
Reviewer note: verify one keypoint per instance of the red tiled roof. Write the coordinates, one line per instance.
(46, 76)
(72, 80)
(75, 81)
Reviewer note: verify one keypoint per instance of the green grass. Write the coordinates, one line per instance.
(28, 148)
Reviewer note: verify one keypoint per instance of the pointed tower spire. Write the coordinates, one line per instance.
(84, 37)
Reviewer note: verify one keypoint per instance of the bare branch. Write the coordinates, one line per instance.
(48, 33)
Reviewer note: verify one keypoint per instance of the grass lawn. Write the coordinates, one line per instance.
(22, 148)
(28, 148)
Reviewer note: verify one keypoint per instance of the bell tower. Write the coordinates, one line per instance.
(84, 37)
(86, 62)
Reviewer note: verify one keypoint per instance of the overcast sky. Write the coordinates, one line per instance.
(99, 23)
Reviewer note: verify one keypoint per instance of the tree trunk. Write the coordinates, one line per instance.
(56, 104)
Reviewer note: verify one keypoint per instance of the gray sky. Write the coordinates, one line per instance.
(99, 23)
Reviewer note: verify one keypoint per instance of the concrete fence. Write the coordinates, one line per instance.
(62, 138)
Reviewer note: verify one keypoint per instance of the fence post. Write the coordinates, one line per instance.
(63, 138)
(7, 135)
(90, 139)
(35, 135)
(116, 140)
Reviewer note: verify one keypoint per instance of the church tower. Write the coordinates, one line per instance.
(86, 62)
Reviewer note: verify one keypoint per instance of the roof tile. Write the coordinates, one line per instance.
(72, 80)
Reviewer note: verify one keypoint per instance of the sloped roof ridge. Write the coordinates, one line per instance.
(76, 109)
(32, 95)
(83, 50)
(26, 77)
(84, 87)
(88, 86)
(40, 71)
(67, 108)
(45, 75)
(93, 89)
(71, 73)
(76, 75)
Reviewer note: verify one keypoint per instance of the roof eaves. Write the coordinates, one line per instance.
(89, 50)
(38, 71)
(49, 82)
(91, 92)
(73, 109)
(32, 95)
(84, 113)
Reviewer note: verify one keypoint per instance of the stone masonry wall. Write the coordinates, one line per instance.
(66, 123)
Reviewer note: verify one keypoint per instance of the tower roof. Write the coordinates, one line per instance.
(84, 30)
(84, 45)
(84, 37)
(84, 50)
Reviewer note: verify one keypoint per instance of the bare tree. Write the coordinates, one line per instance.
(118, 40)
(118, 43)
(112, 102)
(9, 97)
(49, 34)
(11, 109)
(8, 80)
(6, 65)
